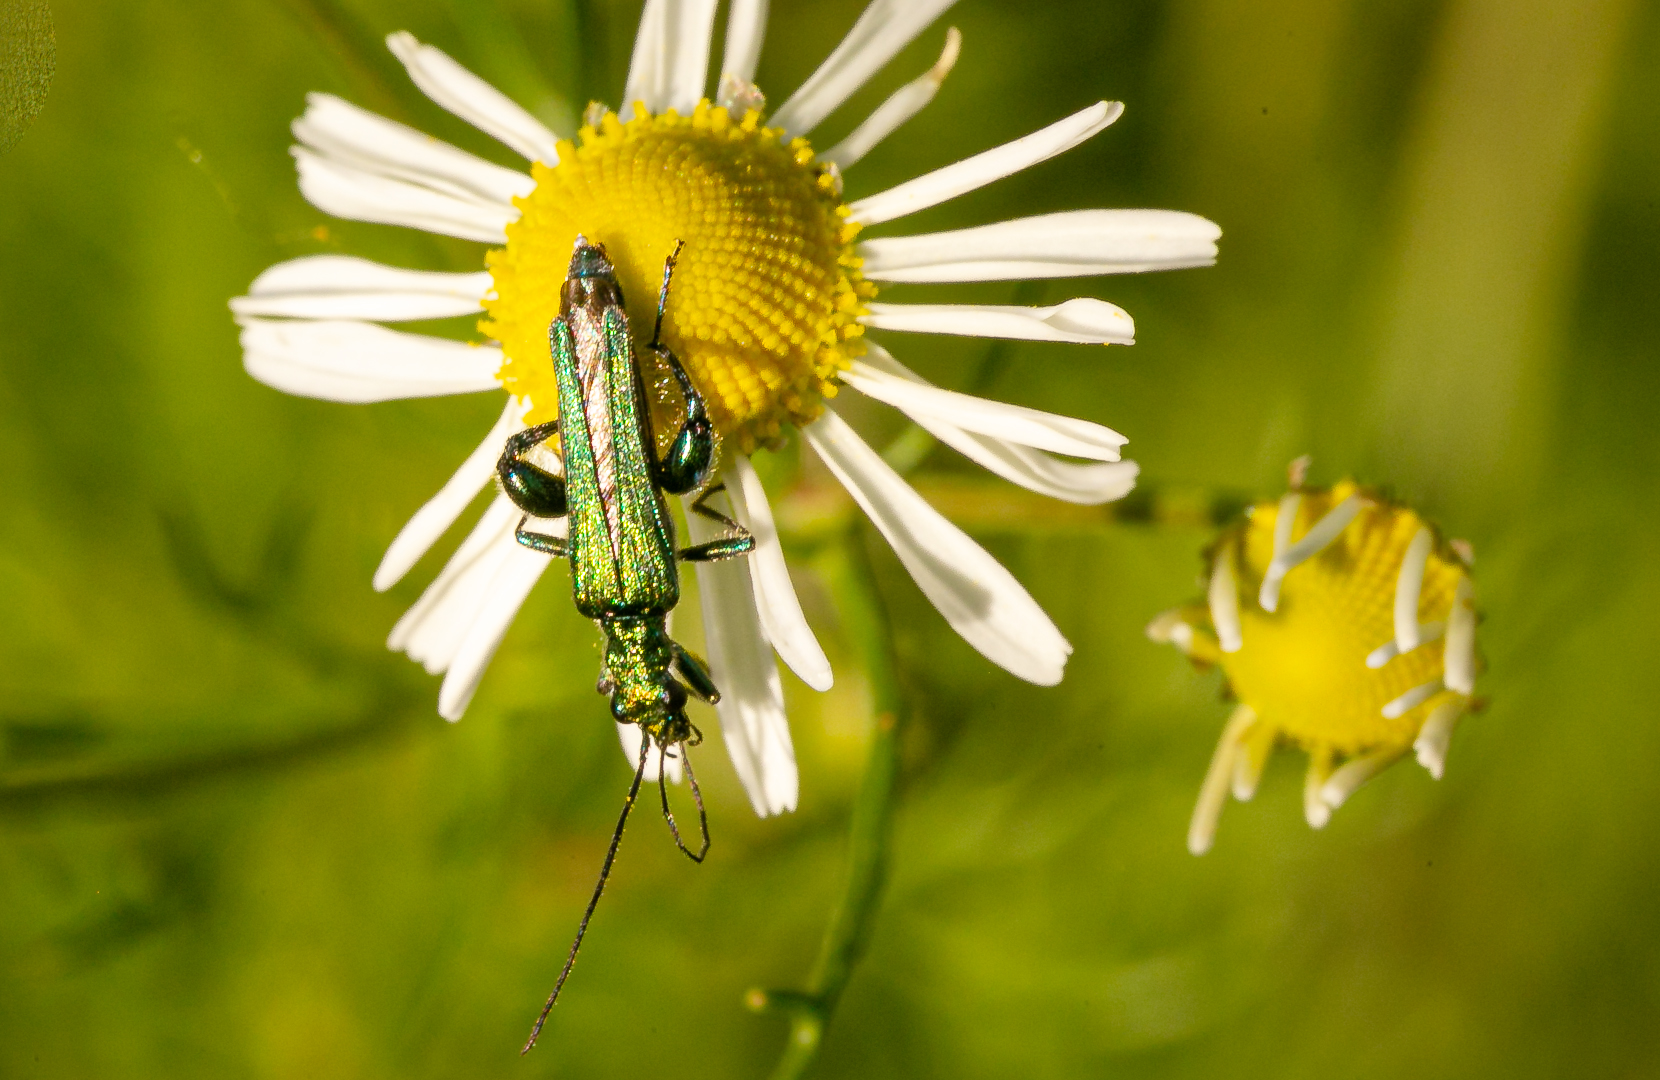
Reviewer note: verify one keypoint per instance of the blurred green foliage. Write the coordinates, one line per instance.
(236, 840)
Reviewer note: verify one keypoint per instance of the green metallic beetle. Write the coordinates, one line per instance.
(621, 543)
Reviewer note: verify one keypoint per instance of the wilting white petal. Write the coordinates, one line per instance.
(746, 28)
(775, 597)
(1068, 244)
(1409, 585)
(434, 519)
(1252, 758)
(342, 287)
(1015, 423)
(671, 56)
(905, 103)
(1458, 656)
(519, 572)
(432, 629)
(466, 95)
(1436, 734)
(1347, 778)
(1087, 485)
(348, 191)
(1412, 699)
(356, 361)
(1222, 594)
(1213, 792)
(941, 185)
(751, 707)
(1319, 536)
(1083, 320)
(348, 135)
(885, 27)
(630, 736)
(1315, 808)
(979, 598)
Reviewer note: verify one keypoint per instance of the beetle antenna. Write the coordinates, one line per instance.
(697, 795)
(663, 295)
(593, 901)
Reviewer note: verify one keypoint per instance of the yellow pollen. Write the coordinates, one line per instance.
(1302, 668)
(764, 306)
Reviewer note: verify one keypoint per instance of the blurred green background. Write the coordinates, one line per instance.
(236, 840)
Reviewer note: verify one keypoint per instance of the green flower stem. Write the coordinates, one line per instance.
(848, 570)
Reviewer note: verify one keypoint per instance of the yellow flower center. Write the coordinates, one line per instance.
(1303, 666)
(764, 306)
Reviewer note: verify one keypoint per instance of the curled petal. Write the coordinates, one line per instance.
(1083, 320)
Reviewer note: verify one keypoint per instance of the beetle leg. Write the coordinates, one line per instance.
(691, 667)
(738, 542)
(532, 488)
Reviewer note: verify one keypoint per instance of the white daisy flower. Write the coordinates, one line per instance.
(772, 295)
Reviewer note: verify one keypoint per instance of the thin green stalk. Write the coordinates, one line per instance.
(810, 1010)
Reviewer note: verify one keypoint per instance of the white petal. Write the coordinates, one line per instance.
(979, 598)
(1083, 320)
(342, 287)
(1067, 244)
(434, 519)
(466, 95)
(1222, 594)
(1348, 778)
(1213, 792)
(671, 56)
(348, 191)
(751, 707)
(1015, 423)
(905, 103)
(1436, 734)
(520, 569)
(1412, 699)
(356, 361)
(1409, 585)
(1087, 485)
(786, 627)
(1459, 654)
(981, 169)
(630, 736)
(432, 629)
(746, 28)
(349, 135)
(1315, 808)
(885, 27)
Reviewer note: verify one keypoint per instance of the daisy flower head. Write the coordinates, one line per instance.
(773, 291)
(1344, 625)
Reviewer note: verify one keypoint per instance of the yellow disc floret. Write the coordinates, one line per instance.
(1303, 666)
(764, 306)
(1344, 625)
